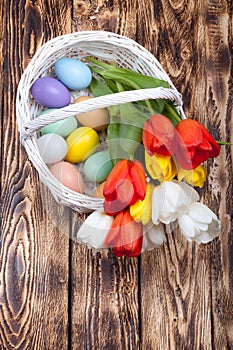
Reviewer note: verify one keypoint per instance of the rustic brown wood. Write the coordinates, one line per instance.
(56, 294)
(34, 248)
(104, 299)
(104, 293)
(187, 291)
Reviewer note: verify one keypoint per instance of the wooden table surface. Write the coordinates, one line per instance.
(57, 294)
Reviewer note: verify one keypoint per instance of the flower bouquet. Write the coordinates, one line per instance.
(158, 160)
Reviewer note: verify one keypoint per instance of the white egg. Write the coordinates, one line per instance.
(52, 148)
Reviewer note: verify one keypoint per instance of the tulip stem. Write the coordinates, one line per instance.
(173, 113)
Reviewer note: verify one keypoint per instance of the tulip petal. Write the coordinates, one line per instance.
(113, 207)
(125, 191)
(94, 230)
(138, 179)
(120, 171)
(195, 144)
(215, 148)
(125, 235)
(159, 135)
(141, 209)
(199, 224)
(153, 236)
(114, 231)
(157, 200)
(190, 132)
(189, 191)
(186, 226)
(170, 200)
(201, 213)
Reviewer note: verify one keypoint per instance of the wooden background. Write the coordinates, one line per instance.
(56, 294)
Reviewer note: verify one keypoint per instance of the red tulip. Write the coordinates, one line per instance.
(124, 186)
(195, 144)
(125, 235)
(159, 136)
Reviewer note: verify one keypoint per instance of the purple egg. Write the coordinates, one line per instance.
(51, 93)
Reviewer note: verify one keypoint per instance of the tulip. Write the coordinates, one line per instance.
(125, 235)
(199, 224)
(159, 136)
(195, 177)
(141, 210)
(170, 199)
(124, 186)
(161, 168)
(153, 236)
(94, 230)
(195, 144)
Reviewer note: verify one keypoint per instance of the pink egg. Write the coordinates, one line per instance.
(68, 175)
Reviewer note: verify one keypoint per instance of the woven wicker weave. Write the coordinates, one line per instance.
(105, 46)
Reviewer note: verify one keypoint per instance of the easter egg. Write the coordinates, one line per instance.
(52, 148)
(98, 166)
(62, 127)
(98, 193)
(68, 175)
(82, 142)
(97, 119)
(51, 93)
(73, 73)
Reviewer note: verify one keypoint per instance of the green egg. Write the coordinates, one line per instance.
(98, 166)
(62, 127)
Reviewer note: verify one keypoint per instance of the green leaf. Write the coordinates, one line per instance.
(99, 88)
(114, 144)
(134, 79)
(130, 137)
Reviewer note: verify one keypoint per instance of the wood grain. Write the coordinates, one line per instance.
(190, 288)
(34, 249)
(104, 299)
(57, 294)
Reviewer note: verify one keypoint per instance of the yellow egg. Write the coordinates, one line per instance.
(97, 119)
(81, 143)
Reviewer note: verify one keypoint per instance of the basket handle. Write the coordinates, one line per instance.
(29, 128)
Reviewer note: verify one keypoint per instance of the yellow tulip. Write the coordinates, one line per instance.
(161, 168)
(195, 177)
(141, 210)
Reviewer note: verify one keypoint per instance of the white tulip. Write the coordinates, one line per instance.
(170, 199)
(153, 236)
(199, 224)
(94, 229)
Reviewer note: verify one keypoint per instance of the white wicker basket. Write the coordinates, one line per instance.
(106, 46)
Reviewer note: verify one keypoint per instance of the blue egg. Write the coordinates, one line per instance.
(73, 73)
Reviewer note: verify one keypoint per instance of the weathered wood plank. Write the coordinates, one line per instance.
(104, 289)
(34, 248)
(187, 291)
(104, 300)
(220, 107)
(176, 297)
